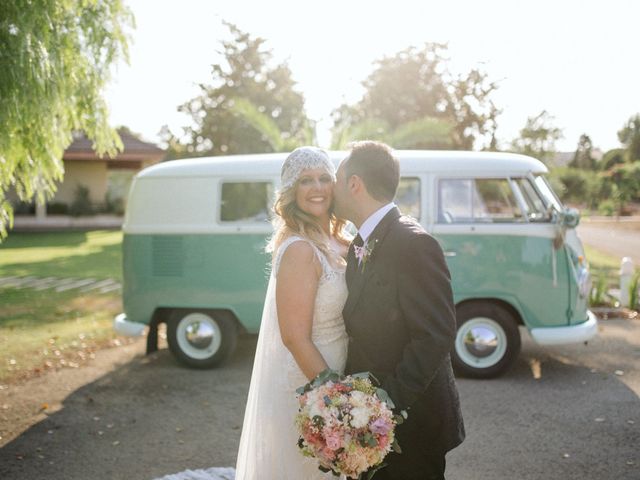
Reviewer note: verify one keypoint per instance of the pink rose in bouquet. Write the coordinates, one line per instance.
(346, 423)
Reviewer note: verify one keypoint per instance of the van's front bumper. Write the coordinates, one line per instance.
(126, 327)
(579, 333)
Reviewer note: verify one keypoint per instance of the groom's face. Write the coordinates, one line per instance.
(341, 193)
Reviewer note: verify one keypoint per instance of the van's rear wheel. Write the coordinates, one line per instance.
(201, 338)
(487, 340)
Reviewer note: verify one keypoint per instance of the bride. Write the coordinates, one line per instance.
(302, 331)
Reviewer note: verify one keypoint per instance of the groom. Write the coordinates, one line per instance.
(399, 313)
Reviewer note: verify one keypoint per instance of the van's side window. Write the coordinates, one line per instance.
(532, 201)
(484, 200)
(245, 202)
(408, 197)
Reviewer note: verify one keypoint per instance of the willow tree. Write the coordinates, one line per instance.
(56, 57)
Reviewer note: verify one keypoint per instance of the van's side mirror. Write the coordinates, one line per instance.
(570, 218)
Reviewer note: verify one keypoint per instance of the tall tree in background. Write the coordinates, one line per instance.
(415, 85)
(583, 158)
(427, 132)
(268, 127)
(222, 125)
(612, 157)
(629, 136)
(473, 112)
(538, 137)
(56, 58)
(621, 167)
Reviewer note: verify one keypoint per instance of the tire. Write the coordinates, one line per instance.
(201, 338)
(487, 340)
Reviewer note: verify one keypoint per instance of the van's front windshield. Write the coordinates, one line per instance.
(550, 198)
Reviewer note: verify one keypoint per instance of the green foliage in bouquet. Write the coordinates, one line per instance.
(322, 377)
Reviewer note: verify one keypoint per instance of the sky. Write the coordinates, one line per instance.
(577, 59)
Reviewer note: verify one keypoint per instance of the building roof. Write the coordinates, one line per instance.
(134, 149)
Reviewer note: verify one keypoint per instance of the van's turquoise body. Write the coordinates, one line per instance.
(195, 271)
(181, 255)
(235, 277)
(483, 268)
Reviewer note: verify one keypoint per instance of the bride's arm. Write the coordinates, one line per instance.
(297, 284)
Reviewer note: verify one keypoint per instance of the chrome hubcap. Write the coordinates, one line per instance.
(481, 342)
(199, 335)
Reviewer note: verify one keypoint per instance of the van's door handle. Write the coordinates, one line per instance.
(450, 253)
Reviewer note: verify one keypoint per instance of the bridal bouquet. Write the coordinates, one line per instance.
(346, 423)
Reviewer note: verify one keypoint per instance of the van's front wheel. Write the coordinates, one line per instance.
(201, 339)
(487, 340)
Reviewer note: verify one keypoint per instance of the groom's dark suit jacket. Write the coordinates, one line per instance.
(401, 323)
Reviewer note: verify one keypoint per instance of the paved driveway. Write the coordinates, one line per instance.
(560, 413)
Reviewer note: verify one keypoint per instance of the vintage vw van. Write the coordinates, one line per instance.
(195, 232)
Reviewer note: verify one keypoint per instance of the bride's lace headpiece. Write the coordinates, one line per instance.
(300, 160)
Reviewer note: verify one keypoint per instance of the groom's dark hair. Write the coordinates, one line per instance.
(375, 164)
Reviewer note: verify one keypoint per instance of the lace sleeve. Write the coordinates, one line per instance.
(283, 247)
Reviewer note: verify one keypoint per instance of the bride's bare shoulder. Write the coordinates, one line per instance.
(297, 255)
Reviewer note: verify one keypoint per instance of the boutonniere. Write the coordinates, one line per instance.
(363, 253)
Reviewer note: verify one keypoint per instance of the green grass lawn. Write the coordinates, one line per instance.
(41, 330)
(603, 264)
(95, 254)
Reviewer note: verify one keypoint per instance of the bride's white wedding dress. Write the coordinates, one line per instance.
(268, 444)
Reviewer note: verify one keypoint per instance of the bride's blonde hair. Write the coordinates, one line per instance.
(289, 219)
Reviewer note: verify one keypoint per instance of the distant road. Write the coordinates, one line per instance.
(621, 239)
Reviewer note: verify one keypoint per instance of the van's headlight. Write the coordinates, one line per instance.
(584, 281)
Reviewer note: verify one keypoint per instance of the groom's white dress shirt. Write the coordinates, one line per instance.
(369, 225)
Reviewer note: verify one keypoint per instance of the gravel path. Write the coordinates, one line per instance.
(60, 284)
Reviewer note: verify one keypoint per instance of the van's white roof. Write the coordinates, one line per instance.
(410, 161)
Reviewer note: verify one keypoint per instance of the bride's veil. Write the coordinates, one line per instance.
(259, 439)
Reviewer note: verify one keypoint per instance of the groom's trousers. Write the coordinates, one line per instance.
(431, 469)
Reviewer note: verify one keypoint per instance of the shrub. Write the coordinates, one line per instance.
(113, 205)
(598, 295)
(624, 184)
(81, 204)
(57, 208)
(578, 186)
(607, 207)
(24, 208)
